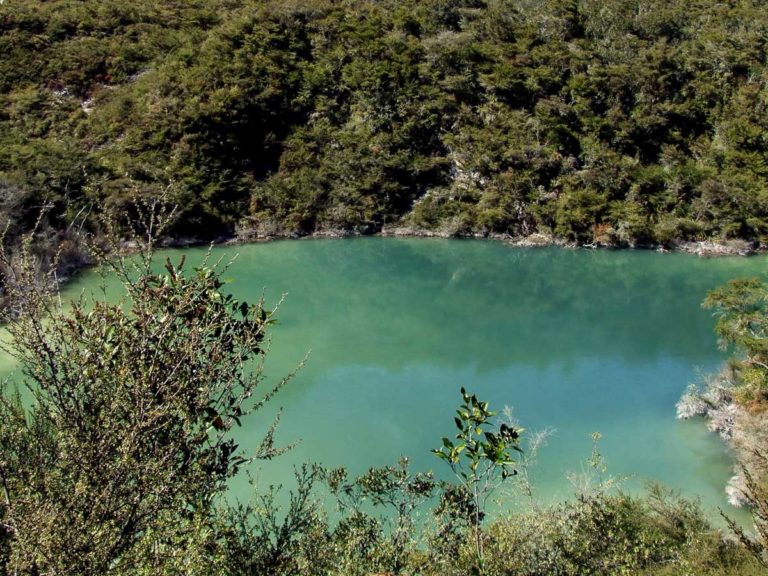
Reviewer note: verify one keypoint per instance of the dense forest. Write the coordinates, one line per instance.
(616, 122)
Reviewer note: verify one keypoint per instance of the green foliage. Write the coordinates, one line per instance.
(742, 323)
(265, 538)
(478, 442)
(604, 534)
(480, 459)
(741, 309)
(755, 495)
(125, 444)
(400, 493)
(594, 533)
(616, 122)
(117, 462)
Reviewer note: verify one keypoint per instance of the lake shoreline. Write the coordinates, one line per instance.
(740, 430)
(704, 248)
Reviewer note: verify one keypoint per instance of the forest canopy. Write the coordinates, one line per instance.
(619, 122)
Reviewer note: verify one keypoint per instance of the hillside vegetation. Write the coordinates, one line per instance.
(622, 122)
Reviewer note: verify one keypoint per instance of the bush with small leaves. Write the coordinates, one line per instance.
(125, 443)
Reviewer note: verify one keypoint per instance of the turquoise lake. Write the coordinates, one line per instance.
(578, 341)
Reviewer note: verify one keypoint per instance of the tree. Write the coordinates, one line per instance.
(480, 459)
(126, 442)
(741, 308)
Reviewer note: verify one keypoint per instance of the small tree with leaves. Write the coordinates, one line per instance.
(480, 458)
(741, 309)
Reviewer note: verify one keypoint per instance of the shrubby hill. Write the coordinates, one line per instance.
(622, 122)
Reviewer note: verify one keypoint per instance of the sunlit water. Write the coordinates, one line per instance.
(574, 340)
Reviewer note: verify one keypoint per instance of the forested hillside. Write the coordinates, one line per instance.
(622, 122)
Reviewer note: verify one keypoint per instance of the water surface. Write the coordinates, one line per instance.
(577, 341)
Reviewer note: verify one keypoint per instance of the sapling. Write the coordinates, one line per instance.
(480, 458)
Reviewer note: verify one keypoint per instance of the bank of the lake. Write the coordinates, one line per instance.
(712, 247)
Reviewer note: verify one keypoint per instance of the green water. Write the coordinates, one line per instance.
(577, 341)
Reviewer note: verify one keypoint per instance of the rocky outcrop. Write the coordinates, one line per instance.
(745, 432)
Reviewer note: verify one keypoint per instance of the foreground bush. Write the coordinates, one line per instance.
(124, 442)
(601, 534)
